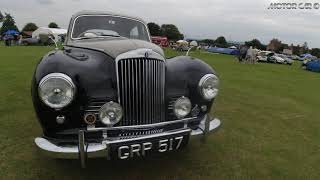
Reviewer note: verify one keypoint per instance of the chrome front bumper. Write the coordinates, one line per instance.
(92, 150)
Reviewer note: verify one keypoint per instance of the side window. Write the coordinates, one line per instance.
(134, 33)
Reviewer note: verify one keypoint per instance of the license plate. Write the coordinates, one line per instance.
(143, 147)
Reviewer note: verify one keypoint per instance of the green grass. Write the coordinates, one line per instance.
(270, 115)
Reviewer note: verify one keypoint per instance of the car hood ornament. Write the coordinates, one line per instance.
(146, 54)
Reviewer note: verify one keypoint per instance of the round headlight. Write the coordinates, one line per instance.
(110, 113)
(182, 107)
(56, 90)
(208, 86)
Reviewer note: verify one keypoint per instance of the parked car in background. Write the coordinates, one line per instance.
(271, 58)
(182, 45)
(307, 57)
(278, 59)
(111, 92)
(301, 58)
(267, 56)
(294, 57)
(30, 41)
(263, 56)
(287, 60)
(44, 40)
(182, 48)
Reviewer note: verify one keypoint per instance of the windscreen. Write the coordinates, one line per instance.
(93, 26)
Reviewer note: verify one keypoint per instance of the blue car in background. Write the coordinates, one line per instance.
(313, 65)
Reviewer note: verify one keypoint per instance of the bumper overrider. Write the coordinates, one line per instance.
(127, 147)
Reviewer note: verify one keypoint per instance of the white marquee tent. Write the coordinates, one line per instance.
(49, 31)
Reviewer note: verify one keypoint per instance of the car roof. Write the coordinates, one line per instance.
(88, 12)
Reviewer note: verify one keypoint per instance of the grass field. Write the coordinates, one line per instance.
(270, 115)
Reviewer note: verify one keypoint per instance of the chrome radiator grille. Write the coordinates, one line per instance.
(141, 90)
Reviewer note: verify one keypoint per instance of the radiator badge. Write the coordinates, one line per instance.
(147, 54)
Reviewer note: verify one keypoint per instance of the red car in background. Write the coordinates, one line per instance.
(161, 41)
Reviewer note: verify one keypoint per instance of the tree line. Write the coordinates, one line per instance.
(8, 23)
(172, 32)
(219, 42)
(168, 30)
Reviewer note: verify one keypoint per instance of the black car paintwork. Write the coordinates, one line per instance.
(94, 78)
(113, 46)
(93, 73)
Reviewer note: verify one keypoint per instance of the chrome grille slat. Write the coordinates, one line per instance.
(141, 90)
(150, 89)
(136, 92)
(129, 118)
(154, 92)
(122, 81)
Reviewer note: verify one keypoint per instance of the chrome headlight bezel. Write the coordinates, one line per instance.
(205, 80)
(178, 102)
(61, 77)
(110, 107)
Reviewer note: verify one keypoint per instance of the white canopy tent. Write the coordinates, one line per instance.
(49, 31)
(182, 41)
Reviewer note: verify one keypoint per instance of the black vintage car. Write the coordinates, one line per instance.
(111, 93)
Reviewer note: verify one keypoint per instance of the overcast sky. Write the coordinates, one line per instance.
(237, 20)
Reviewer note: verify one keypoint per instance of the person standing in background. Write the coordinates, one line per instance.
(5, 38)
(19, 39)
(254, 56)
(249, 55)
(243, 53)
